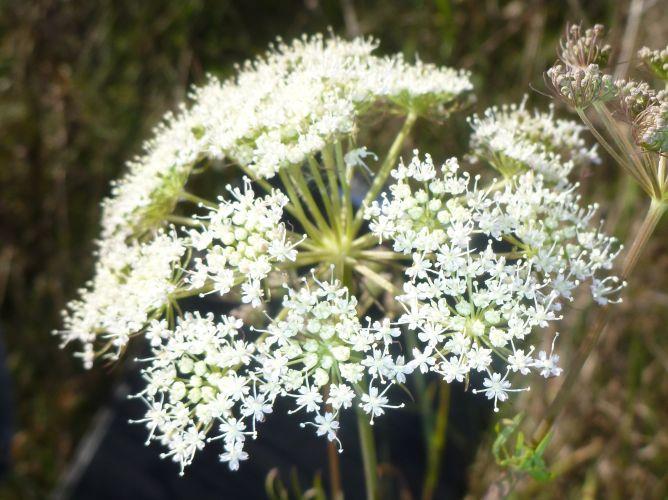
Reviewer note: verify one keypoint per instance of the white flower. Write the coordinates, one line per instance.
(246, 238)
(656, 60)
(375, 403)
(234, 453)
(557, 236)
(151, 187)
(327, 425)
(466, 297)
(200, 374)
(497, 388)
(521, 362)
(132, 281)
(321, 340)
(285, 106)
(309, 398)
(512, 139)
(340, 396)
(480, 270)
(548, 365)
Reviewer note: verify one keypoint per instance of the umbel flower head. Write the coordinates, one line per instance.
(487, 267)
(325, 294)
(656, 61)
(321, 343)
(512, 138)
(583, 47)
(607, 106)
(200, 379)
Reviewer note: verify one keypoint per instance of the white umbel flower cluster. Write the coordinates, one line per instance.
(323, 357)
(656, 60)
(288, 105)
(200, 379)
(131, 286)
(320, 314)
(550, 229)
(243, 240)
(487, 268)
(513, 139)
(151, 187)
(278, 110)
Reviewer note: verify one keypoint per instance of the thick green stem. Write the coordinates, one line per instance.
(385, 169)
(368, 447)
(652, 218)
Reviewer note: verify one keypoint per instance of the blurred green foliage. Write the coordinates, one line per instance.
(81, 85)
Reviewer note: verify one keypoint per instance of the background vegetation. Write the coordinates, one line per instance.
(82, 83)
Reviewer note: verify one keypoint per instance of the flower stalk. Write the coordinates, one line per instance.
(368, 447)
(436, 443)
(386, 167)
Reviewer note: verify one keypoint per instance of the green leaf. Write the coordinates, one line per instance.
(523, 457)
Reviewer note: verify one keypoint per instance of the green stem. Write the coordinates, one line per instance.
(615, 155)
(656, 210)
(315, 171)
(366, 241)
(437, 442)
(368, 447)
(184, 293)
(305, 192)
(185, 221)
(330, 167)
(385, 169)
(299, 211)
(345, 178)
(662, 177)
(635, 165)
(375, 255)
(652, 218)
(185, 196)
(426, 410)
(376, 278)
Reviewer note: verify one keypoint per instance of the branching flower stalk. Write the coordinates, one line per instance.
(326, 293)
(634, 122)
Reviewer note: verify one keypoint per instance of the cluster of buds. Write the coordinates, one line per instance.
(651, 128)
(656, 61)
(635, 97)
(582, 48)
(577, 79)
(581, 87)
